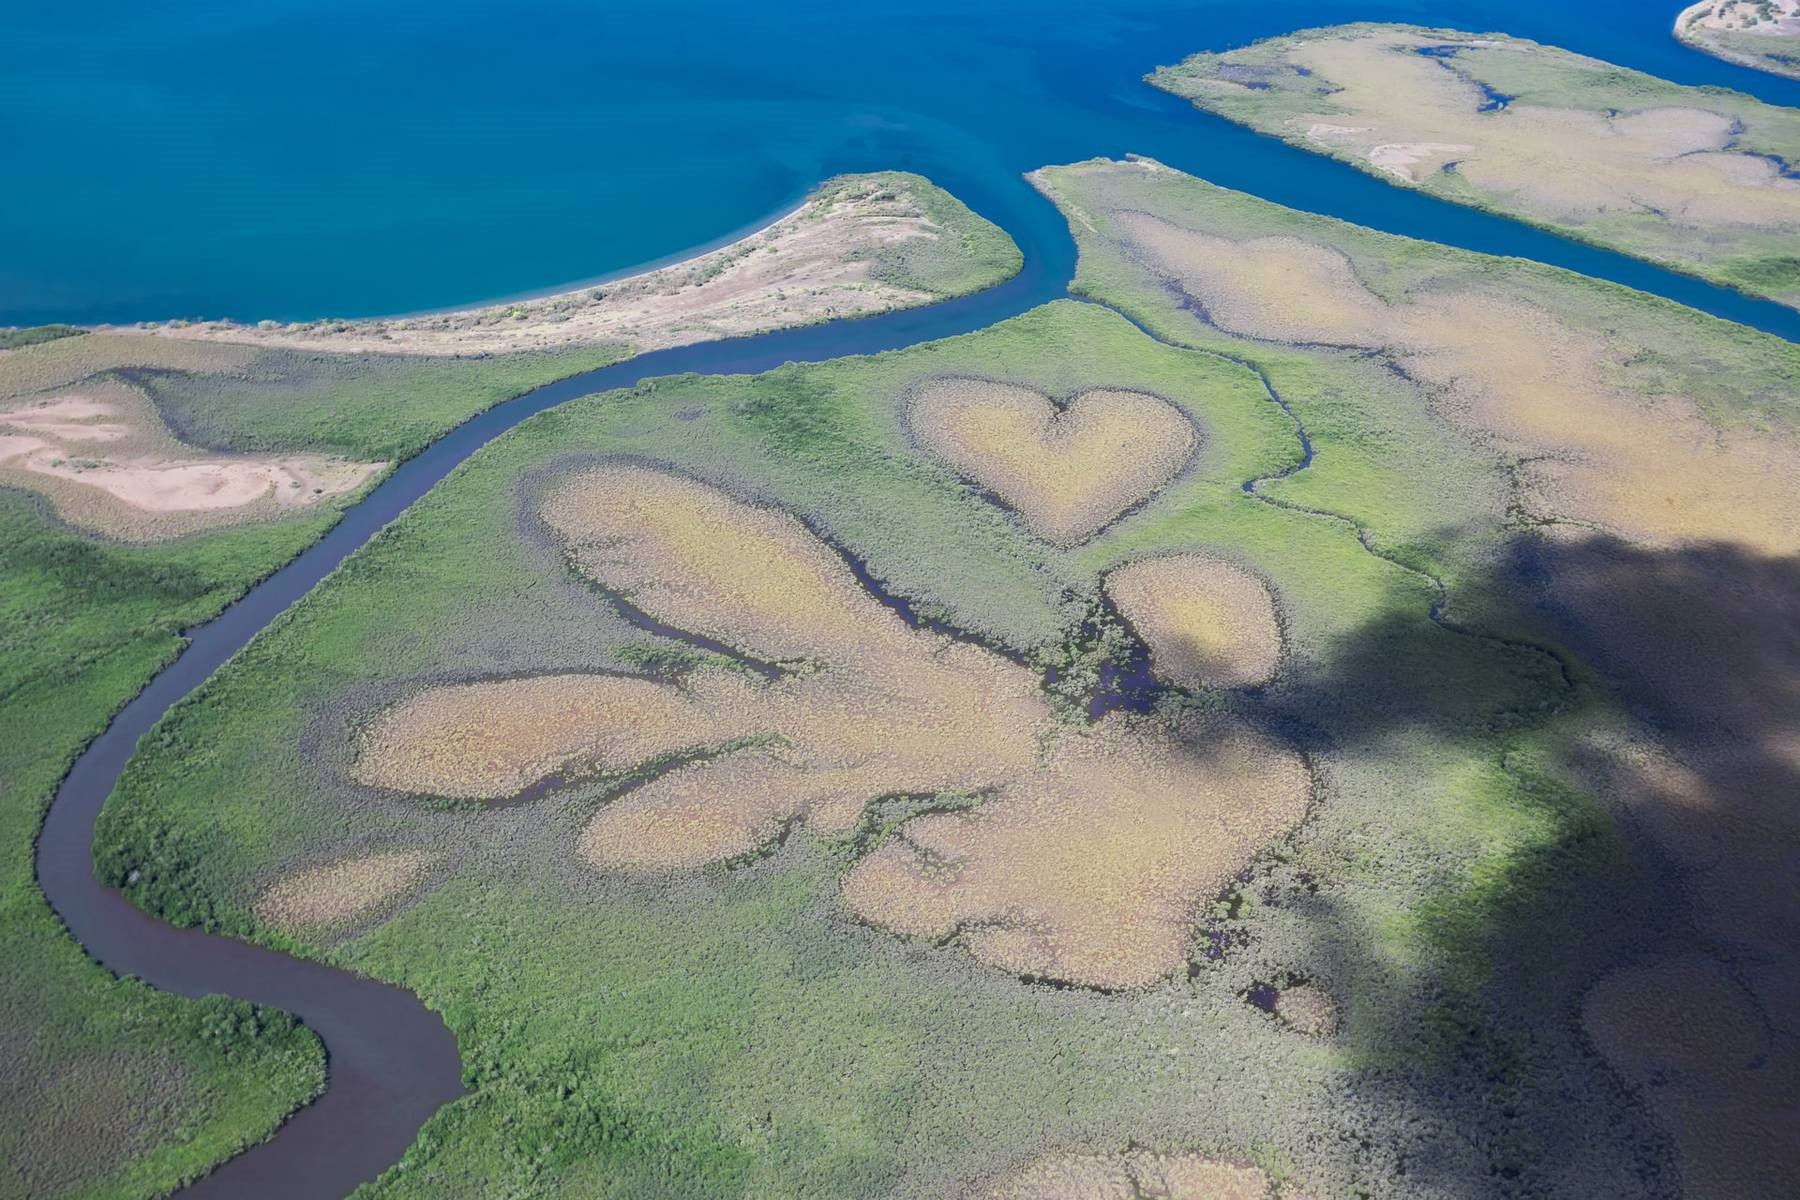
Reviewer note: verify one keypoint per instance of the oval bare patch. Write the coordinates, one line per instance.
(340, 891)
(1208, 622)
(1070, 472)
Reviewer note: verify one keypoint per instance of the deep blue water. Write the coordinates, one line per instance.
(289, 160)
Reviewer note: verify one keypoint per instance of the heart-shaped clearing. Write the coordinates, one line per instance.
(1069, 474)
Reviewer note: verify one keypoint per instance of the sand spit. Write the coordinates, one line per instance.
(1763, 18)
(814, 264)
(1207, 621)
(1134, 1175)
(1652, 469)
(107, 462)
(1764, 34)
(1412, 161)
(342, 891)
(1068, 472)
(1087, 864)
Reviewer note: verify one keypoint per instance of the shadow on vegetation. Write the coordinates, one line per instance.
(1476, 1044)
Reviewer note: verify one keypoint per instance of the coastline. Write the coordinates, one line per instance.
(1786, 66)
(744, 232)
(855, 245)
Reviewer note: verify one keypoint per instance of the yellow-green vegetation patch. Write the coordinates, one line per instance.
(494, 738)
(1094, 869)
(1086, 866)
(1207, 621)
(1764, 34)
(1695, 178)
(879, 709)
(1309, 1008)
(342, 891)
(656, 957)
(1069, 470)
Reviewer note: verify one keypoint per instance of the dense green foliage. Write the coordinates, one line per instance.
(113, 1089)
(12, 339)
(370, 406)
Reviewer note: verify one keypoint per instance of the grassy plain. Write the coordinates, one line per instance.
(1697, 179)
(734, 1028)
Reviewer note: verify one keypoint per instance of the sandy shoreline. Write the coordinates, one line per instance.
(1731, 29)
(817, 261)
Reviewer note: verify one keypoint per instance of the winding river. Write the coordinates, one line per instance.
(393, 1063)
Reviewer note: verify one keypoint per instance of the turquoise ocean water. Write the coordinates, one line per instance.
(292, 160)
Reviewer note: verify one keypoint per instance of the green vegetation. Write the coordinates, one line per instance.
(728, 1031)
(971, 253)
(120, 1090)
(1582, 465)
(1457, 888)
(384, 407)
(114, 1089)
(12, 339)
(1689, 177)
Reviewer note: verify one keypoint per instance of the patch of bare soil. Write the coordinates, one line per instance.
(105, 459)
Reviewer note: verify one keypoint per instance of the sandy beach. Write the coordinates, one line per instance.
(816, 263)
